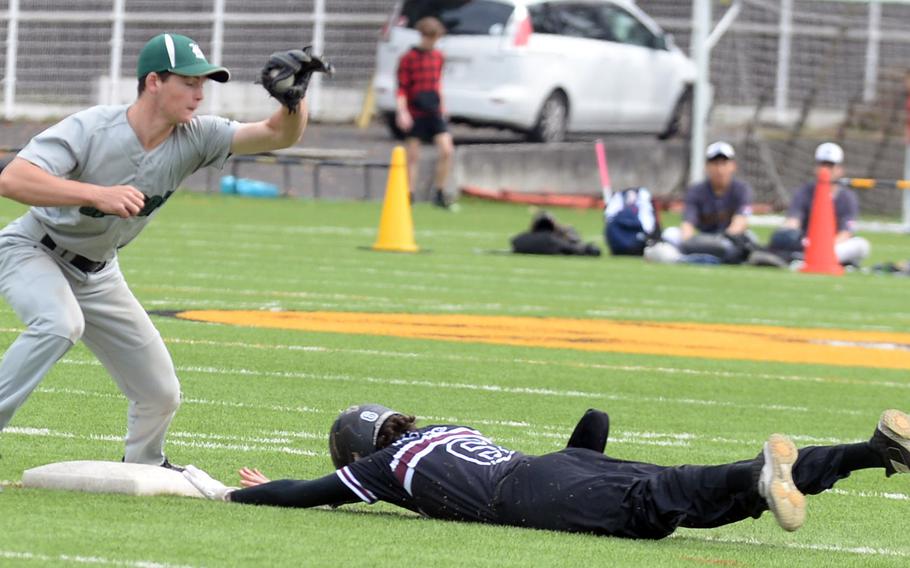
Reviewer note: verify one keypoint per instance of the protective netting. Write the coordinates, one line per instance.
(64, 46)
(835, 88)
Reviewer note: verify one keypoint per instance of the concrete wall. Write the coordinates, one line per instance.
(572, 167)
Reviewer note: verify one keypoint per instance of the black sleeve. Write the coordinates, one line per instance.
(328, 490)
(591, 432)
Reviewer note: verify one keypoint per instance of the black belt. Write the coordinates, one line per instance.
(79, 261)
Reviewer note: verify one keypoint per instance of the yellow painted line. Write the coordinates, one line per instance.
(713, 341)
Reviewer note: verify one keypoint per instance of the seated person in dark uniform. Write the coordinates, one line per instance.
(716, 215)
(789, 240)
(456, 473)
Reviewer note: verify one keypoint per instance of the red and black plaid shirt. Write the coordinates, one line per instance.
(419, 71)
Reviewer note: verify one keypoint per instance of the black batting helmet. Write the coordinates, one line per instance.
(354, 432)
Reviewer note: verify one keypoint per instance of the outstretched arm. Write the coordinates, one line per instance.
(328, 490)
(591, 432)
(280, 130)
(286, 76)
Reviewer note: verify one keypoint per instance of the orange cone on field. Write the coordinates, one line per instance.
(820, 256)
(396, 227)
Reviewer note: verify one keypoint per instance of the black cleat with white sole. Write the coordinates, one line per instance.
(892, 441)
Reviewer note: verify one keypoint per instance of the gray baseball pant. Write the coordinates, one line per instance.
(60, 305)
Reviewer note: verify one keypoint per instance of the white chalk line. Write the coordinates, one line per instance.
(534, 362)
(873, 494)
(78, 559)
(818, 547)
(342, 302)
(283, 437)
(696, 373)
(223, 403)
(182, 439)
(489, 388)
(255, 231)
(446, 271)
(702, 310)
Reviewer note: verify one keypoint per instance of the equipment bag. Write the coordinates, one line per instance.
(548, 236)
(631, 221)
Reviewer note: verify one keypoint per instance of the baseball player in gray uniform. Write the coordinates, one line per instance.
(94, 180)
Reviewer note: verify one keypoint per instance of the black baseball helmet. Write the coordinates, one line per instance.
(354, 432)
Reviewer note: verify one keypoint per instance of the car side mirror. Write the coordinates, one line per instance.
(665, 41)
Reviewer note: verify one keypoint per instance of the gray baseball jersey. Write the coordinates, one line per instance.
(98, 146)
(51, 272)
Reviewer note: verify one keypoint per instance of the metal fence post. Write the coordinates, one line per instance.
(782, 89)
(872, 50)
(701, 22)
(12, 46)
(214, 95)
(315, 89)
(116, 53)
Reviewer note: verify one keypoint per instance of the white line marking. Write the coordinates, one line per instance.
(875, 494)
(203, 401)
(560, 433)
(183, 439)
(533, 362)
(860, 550)
(535, 391)
(539, 362)
(76, 559)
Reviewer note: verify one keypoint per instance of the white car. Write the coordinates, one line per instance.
(546, 67)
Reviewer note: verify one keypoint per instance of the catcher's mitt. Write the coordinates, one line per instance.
(286, 75)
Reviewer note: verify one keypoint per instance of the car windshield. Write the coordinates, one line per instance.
(461, 17)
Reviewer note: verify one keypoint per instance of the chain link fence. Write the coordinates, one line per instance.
(834, 72)
(841, 78)
(62, 51)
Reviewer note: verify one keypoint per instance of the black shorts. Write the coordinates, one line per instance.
(427, 127)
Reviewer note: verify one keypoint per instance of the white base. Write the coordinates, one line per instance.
(109, 477)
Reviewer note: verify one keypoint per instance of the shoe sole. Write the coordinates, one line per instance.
(784, 499)
(896, 426)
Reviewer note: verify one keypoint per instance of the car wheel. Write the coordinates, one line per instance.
(680, 123)
(396, 132)
(551, 122)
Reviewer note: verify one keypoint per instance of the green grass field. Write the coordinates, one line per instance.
(266, 398)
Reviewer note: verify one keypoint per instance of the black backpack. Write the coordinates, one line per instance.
(547, 236)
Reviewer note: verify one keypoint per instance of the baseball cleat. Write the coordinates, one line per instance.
(892, 441)
(168, 465)
(776, 485)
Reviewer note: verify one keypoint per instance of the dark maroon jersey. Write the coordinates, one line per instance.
(443, 472)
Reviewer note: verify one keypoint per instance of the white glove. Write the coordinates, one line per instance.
(209, 487)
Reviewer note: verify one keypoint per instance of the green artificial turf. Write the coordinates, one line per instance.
(266, 397)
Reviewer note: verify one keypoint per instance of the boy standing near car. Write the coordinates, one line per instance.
(419, 111)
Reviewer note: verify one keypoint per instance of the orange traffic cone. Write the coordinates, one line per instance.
(820, 256)
(396, 227)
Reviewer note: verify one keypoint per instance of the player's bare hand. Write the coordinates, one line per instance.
(252, 477)
(121, 200)
(404, 120)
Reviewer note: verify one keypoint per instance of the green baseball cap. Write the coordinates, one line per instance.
(178, 54)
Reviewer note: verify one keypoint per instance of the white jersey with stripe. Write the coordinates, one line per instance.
(444, 472)
(99, 146)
